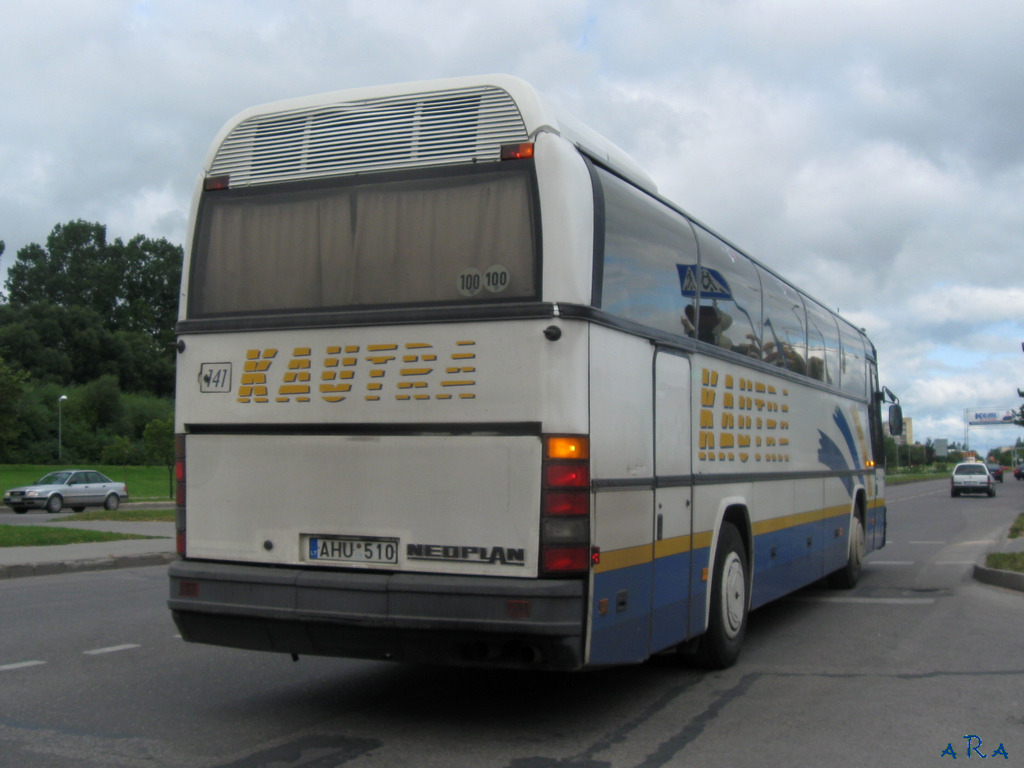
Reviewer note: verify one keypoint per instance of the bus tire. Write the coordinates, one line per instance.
(719, 647)
(848, 576)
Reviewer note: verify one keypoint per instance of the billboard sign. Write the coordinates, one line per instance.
(990, 418)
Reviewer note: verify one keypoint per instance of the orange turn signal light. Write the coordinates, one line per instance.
(568, 447)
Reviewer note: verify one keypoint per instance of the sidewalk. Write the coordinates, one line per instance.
(16, 562)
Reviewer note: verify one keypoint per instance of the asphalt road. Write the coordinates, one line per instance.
(896, 672)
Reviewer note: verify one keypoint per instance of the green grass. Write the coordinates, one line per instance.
(1006, 561)
(45, 536)
(1009, 561)
(144, 483)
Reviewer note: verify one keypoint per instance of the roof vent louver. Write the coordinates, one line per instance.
(416, 130)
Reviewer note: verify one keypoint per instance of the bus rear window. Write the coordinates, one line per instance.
(442, 239)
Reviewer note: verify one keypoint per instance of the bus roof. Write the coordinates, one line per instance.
(536, 114)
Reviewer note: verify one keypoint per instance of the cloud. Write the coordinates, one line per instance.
(870, 152)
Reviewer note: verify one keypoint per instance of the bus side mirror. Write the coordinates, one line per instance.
(895, 419)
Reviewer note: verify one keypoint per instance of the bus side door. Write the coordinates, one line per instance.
(673, 500)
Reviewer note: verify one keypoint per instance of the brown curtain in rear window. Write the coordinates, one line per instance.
(397, 243)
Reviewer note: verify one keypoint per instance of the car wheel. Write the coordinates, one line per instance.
(954, 493)
(991, 492)
(719, 647)
(78, 509)
(54, 504)
(20, 510)
(112, 502)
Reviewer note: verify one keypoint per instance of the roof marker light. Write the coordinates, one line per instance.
(522, 151)
(212, 183)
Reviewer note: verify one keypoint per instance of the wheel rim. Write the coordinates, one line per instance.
(734, 595)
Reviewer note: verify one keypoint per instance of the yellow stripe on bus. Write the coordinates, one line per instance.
(613, 560)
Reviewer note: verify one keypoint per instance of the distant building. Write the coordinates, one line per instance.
(907, 438)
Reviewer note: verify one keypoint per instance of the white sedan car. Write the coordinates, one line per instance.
(971, 477)
(75, 488)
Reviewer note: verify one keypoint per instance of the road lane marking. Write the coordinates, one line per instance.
(890, 562)
(20, 665)
(869, 600)
(111, 649)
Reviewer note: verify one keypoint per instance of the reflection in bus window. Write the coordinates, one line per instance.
(644, 242)
(822, 345)
(853, 378)
(784, 334)
(730, 297)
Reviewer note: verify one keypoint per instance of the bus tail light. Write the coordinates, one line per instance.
(565, 506)
(179, 493)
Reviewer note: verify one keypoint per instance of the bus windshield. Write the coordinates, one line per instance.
(400, 241)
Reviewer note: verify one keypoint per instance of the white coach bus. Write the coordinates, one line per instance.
(456, 385)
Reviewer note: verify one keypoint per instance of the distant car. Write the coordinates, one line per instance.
(971, 477)
(75, 488)
(996, 470)
(1018, 472)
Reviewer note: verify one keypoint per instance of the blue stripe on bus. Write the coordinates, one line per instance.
(664, 613)
(621, 636)
(796, 563)
(671, 601)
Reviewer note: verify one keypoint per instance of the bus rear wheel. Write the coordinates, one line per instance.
(719, 647)
(848, 576)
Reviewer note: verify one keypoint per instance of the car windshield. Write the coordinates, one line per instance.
(971, 469)
(54, 478)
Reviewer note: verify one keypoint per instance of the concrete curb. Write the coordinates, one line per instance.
(997, 578)
(109, 563)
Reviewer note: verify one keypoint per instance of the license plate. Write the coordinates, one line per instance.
(353, 549)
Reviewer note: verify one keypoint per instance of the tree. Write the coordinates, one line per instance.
(131, 286)
(12, 386)
(76, 268)
(82, 307)
(159, 438)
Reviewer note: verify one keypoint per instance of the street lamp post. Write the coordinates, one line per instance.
(60, 446)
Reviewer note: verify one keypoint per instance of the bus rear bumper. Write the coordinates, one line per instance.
(466, 620)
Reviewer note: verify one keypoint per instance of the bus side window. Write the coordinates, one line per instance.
(730, 297)
(822, 345)
(645, 241)
(854, 376)
(784, 332)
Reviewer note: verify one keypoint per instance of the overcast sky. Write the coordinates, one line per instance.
(871, 151)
